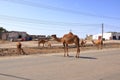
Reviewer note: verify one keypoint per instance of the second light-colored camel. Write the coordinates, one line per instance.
(43, 42)
(98, 43)
(69, 39)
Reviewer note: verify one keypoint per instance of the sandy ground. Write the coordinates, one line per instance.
(31, 47)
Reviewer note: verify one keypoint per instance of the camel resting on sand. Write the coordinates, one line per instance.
(68, 39)
(98, 43)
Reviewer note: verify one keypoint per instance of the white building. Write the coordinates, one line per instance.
(108, 36)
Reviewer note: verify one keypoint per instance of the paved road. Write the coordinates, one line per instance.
(92, 65)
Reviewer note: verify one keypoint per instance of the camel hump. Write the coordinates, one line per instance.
(70, 33)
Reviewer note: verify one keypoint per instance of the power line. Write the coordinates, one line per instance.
(28, 3)
(109, 25)
(45, 22)
(48, 29)
(37, 27)
(30, 27)
(27, 24)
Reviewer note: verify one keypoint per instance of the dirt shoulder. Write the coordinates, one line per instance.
(31, 47)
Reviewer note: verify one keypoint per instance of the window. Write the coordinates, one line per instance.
(119, 38)
(114, 38)
(19, 36)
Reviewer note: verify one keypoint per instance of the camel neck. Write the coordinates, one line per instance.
(93, 42)
(58, 39)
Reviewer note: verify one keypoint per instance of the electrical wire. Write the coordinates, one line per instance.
(45, 22)
(28, 3)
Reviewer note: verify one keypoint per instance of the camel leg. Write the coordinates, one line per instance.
(67, 49)
(98, 47)
(19, 50)
(49, 45)
(23, 52)
(64, 49)
(78, 52)
(101, 46)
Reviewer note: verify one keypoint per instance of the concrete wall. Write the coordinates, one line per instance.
(117, 35)
(108, 36)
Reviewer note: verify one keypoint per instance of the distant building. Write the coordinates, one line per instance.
(89, 37)
(108, 36)
(13, 35)
(17, 35)
(38, 37)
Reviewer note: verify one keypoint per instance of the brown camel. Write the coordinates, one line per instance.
(98, 43)
(43, 42)
(19, 48)
(69, 39)
(48, 44)
(83, 42)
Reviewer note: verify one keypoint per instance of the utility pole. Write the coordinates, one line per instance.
(102, 30)
(70, 30)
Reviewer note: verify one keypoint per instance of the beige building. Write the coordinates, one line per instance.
(13, 35)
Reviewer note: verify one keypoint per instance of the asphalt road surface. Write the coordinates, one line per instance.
(92, 65)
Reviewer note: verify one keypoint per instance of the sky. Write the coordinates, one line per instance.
(47, 17)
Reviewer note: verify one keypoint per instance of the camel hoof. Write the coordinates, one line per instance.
(67, 55)
(64, 55)
(77, 57)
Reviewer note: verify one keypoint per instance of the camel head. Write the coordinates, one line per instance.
(54, 37)
(93, 41)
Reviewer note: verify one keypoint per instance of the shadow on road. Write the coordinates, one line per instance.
(87, 57)
(13, 76)
(83, 57)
